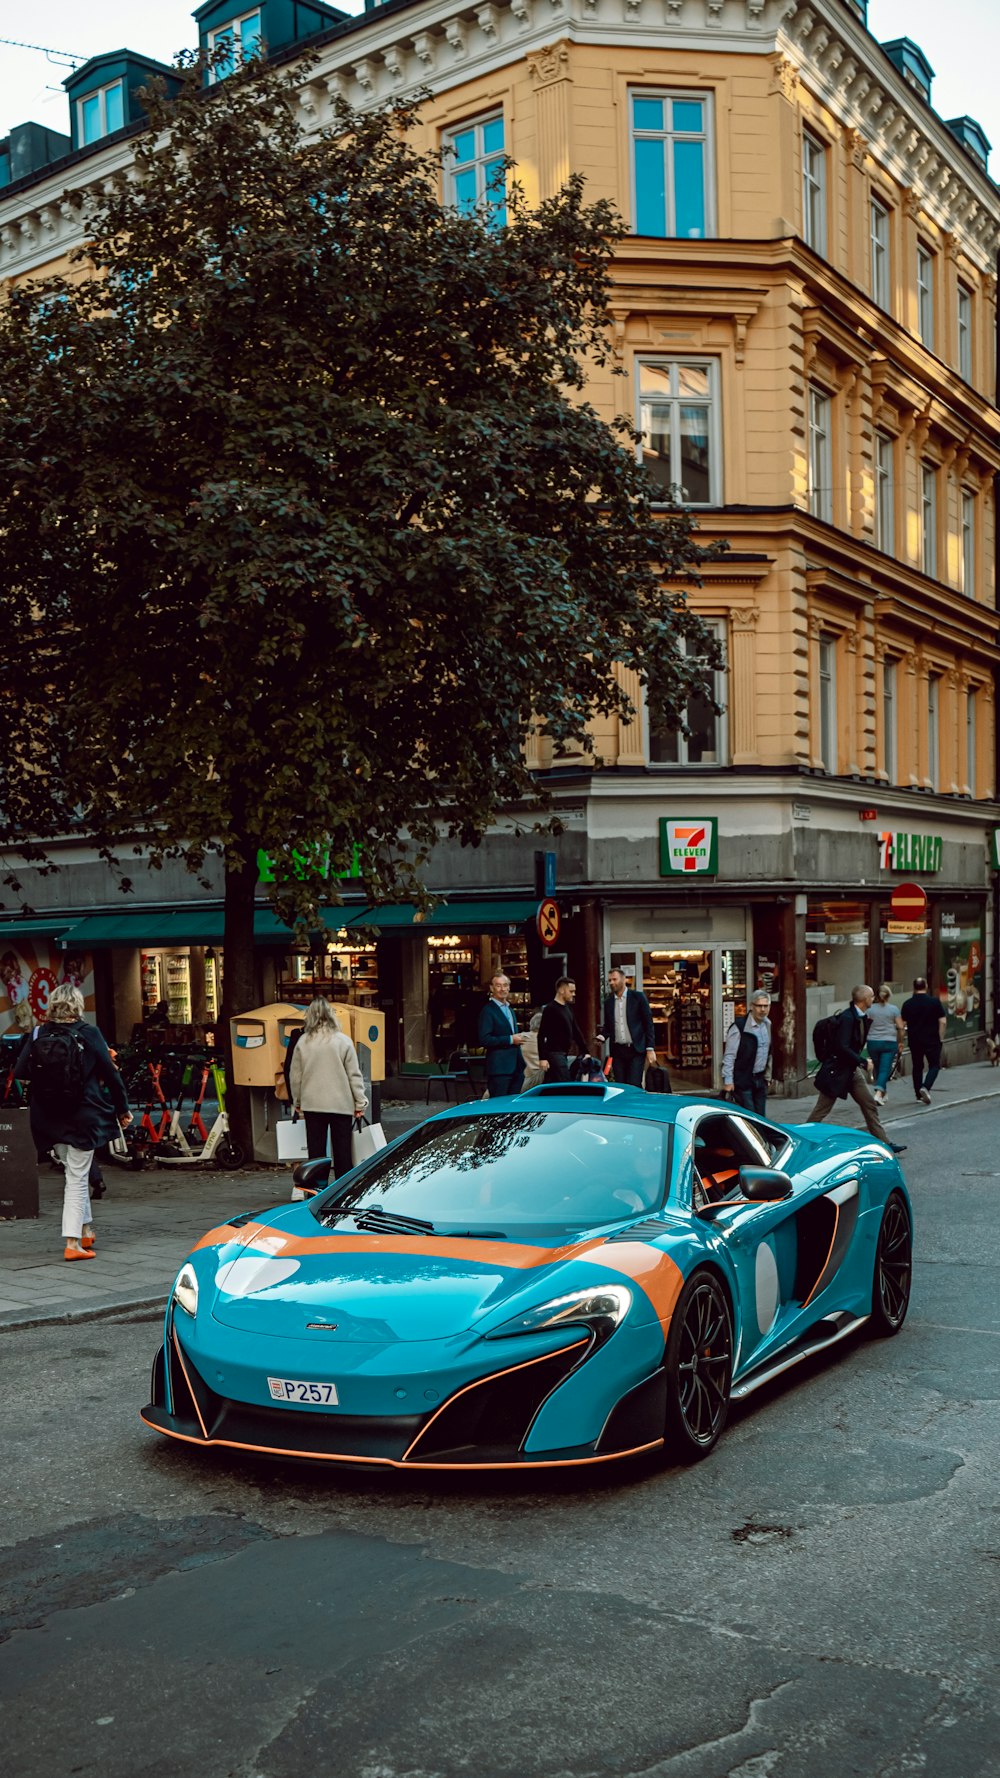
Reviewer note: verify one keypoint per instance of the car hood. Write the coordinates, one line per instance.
(373, 1288)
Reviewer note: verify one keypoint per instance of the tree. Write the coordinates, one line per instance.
(314, 450)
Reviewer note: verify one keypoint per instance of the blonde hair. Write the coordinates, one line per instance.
(320, 1019)
(885, 992)
(65, 1004)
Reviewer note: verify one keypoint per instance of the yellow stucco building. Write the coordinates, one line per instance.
(804, 323)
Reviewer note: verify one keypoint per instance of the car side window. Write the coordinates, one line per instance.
(775, 1141)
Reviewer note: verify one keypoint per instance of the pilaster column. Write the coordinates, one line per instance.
(550, 75)
(921, 725)
(909, 727)
(630, 737)
(743, 686)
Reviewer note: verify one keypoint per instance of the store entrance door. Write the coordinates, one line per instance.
(694, 994)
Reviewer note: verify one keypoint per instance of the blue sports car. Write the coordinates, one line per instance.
(570, 1276)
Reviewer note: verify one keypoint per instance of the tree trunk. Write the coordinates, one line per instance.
(239, 983)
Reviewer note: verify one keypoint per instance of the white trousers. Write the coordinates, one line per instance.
(77, 1163)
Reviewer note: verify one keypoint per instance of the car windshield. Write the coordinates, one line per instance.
(502, 1170)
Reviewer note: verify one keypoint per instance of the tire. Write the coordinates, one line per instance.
(893, 1269)
(229, 1156)
(699, 1368)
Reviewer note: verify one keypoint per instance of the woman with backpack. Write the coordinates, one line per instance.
(67, 1066)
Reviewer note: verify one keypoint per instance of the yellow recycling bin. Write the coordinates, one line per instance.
(260, 1039)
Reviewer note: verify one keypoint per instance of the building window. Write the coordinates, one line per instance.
(678, 420)
(885, 493)
(889, 720)
(879, 236)
(968, 543)
(705, 745)
(828, 702)
(813, 193)
(925, 296)
(928, 517)
(965, 333)
(101, 112)
(820, 457)
(241, 38)
(670, 164)
(970, 741)
(933, 729)
(475, 174)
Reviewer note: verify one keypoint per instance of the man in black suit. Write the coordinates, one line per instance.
(559, 1032)
(628, 1028)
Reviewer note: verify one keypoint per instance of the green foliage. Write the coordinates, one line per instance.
(305, 520)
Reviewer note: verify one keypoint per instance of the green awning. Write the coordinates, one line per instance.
(448, 916)
(12, 929)
(177, 927)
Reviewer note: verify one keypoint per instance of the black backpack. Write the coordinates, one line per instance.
(56, 1071)
(825, 1035)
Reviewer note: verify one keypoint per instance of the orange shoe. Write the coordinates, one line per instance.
(87, 1240)
(78, 1253)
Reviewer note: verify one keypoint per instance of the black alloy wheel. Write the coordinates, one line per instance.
(893, 1269)
(699, 1367)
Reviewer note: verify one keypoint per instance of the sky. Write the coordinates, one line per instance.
(961, 40)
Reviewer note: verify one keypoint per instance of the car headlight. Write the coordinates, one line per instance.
(601, 1310)
(186, 1289)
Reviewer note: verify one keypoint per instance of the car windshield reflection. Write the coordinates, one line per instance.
(510, 1169)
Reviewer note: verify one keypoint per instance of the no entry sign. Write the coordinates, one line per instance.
(908, 902)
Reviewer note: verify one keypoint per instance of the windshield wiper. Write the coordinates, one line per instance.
(371, 1216)
(471, 1234)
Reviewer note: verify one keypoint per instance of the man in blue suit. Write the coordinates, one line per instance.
(501, 1039)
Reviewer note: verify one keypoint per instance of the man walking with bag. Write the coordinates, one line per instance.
(627, 1027)
(841, 1073)
(745, 1055)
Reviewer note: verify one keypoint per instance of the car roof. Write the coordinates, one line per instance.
(576, 1096)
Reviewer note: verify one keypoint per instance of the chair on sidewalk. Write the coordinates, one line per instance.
(452, 1073)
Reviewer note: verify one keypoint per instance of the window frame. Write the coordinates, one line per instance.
(880, 253)
(814, 231)
(451, 167)
(682, 361)
(820, 455)
(885, 493)
(720, 690)
(967, 552)
(925, 294)
(933, 729)
(699, 95)
(827, 713)
(964, 338)
(928, 517)
(101, 94)
(890, 735)
(235, 26)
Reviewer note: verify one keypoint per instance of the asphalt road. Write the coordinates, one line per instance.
(817, 1600)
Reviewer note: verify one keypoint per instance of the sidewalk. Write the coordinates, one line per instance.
(149, 1221)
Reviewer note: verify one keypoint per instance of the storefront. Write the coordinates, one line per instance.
(692, 966)
(174, 977)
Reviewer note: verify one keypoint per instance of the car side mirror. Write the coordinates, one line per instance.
(764, 1185)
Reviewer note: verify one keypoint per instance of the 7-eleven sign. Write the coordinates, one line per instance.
(689, 846)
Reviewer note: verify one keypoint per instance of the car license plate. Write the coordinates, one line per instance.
(287, 1389)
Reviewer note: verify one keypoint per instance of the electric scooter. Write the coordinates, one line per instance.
(217, 1144)
(133, 1147)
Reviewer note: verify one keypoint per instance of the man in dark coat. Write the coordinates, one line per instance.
(627, 1026)
(559, 1032)
(75, 1124)
(501, 1039)
(842, 1074)
(924, 1018)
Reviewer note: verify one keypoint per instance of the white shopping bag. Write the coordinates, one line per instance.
(290, 1135)
(366, 1139)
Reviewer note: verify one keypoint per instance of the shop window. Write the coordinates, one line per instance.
(968, 543)
(959, 967)
(474, 169)
(671, 186)
(885, 492)
(820, 456)
(678, 986)
(928, 518)
(933, 729)
(965, 333)
(705, 744)
(925, 296)
(98, 114)
(813, 192)
(828, 702)
(878, 235)
(836, 956)
(889, 745)
(678, 420)
(242, 38)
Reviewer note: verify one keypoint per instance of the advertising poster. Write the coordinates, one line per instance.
(960, 960)
(29, 970)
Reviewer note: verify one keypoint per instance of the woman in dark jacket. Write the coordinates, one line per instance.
(80, 1120)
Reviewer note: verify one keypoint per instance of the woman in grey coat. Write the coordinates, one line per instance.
(327, 1085)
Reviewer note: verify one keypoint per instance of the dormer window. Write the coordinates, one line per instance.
(100, 113)
(242, 38)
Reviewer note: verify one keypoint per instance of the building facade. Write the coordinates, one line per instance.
(804, 327)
